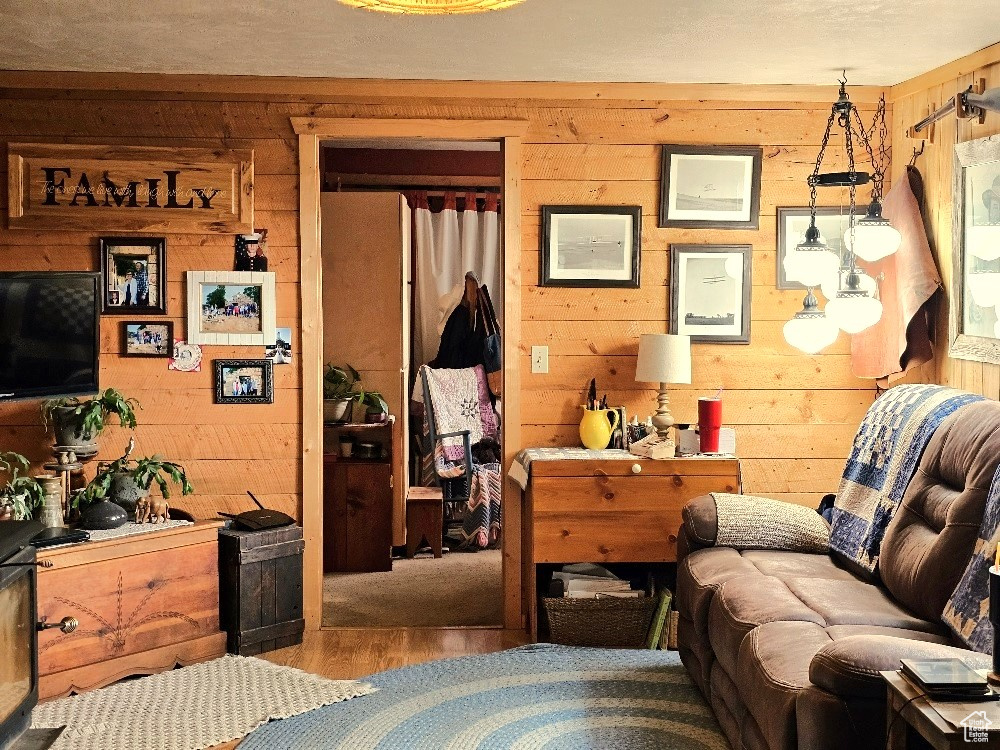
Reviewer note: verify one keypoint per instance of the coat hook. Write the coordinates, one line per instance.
(913, 159)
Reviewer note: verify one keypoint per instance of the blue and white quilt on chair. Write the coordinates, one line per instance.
(884, 457)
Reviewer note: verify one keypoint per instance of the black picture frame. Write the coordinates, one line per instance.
(669, 151)
(265, 394)
(745, 288)
(152, 251)
(168, 348)
(549, 276)
(784, 213)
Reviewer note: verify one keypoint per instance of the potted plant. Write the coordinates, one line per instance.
(22, 494)
(375, 409)
(76, 424)
(338, 391)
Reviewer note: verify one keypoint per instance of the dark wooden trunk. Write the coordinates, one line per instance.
(357, 516)
(261, 589)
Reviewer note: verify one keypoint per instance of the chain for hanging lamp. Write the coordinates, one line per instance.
(432, 7)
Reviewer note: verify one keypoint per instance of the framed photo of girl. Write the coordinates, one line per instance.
(133, 275)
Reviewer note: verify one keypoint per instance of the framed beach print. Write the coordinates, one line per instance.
(590, 246)
(143, 338)
(233, 308)
(243, 381)
(831, 221)
(133, 275)
(974, 324)
(710, 292)
(710, 187)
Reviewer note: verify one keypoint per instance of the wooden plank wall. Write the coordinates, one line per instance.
(912, 101)
(795, 415)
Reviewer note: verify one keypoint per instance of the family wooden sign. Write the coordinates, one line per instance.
(129, 188)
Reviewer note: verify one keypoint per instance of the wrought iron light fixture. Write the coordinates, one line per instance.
(432, 7)
(853, 303)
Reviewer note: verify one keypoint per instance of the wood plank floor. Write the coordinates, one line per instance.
(348, 653)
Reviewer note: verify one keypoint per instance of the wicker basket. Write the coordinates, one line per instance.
(613, 622)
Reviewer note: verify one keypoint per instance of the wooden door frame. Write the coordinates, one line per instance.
(310, 131)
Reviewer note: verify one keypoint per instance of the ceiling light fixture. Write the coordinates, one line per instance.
(432, 7)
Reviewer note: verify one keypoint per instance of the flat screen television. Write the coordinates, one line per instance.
(49, 334)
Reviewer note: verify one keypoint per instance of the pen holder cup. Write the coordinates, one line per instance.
(994, 675)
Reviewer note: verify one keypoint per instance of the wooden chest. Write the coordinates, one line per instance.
(357, 515)
(145, 604)
(261, 589)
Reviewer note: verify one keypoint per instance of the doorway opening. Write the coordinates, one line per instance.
(412, 302)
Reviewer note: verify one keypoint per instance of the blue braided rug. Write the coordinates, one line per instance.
(528, 698)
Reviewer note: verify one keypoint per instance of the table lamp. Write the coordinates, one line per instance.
(663, 358)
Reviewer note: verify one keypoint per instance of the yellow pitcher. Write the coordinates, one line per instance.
(597, 426)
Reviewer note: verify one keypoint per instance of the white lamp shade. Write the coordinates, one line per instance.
(984, 287)
(811, 267)
(838, 281)
(854, 313)
(663, 358)
(873, 241)
(983, 241)
(811, 334)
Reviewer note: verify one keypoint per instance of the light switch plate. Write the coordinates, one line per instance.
(540, 359)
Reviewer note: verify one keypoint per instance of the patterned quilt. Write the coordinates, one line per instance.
(884, 457)
(967, 611)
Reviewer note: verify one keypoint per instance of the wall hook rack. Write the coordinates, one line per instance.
(973, 103)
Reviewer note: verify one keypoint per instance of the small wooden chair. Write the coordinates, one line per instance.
(424, 519)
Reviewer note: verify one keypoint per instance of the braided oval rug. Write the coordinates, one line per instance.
(528, 698)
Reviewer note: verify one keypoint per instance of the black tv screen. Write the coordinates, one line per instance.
(49, 334)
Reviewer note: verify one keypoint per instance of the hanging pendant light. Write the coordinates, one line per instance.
(984, 286)
(873, 237)
(810, 330)
(854, 309)
(432, 7)
(835, 283)
(811, 263)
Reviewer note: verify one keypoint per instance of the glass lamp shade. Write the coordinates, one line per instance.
(873, 238)
(811, 332)
(811, 264)
(854, 311)
(983, 241)
(838, 281)
(984, 286)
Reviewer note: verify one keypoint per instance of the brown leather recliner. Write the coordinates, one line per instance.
(787, 646)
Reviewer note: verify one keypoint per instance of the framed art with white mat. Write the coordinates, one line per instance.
(710, 288)
(710, 187)
(234, 308)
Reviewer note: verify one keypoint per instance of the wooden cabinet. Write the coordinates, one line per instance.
(145, 604)
(357, 515)
(612, 511)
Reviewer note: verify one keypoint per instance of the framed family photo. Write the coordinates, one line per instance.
(710, 187)
(243, 381)
(590, 246)
(146, 339)
(710, 292)
(831, 221)
(974, 325)
(234, 308)
(133, 274)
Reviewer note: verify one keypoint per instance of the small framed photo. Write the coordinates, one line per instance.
(146, 339)
(590, 246)
(706, 187)
(281, 352)
(234, 308)
(832, 223)
(243, 381)
(710, 289)
(134, 275)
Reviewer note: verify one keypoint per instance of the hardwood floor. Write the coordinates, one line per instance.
(350, 653)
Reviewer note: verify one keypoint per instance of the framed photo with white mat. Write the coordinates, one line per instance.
(590, 246)
(710, 187)
(234, 308)
(710, 289)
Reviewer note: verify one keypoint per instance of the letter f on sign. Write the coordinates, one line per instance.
(51, 186)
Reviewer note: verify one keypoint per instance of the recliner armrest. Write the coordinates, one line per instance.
(850, 667)
(701, 521)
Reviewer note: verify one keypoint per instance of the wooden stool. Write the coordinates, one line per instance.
(424, 519)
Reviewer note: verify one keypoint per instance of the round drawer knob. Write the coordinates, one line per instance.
(636, 469)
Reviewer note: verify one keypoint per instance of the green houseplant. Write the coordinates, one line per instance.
(77, 423)
(338, 391)
(22, 494)
(376, 409)
(125, 481)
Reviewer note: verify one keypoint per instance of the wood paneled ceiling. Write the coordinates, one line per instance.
(680, 41)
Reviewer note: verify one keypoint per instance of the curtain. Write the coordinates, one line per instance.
(448, 244)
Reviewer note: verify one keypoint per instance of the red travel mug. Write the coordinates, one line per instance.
(709, 423)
